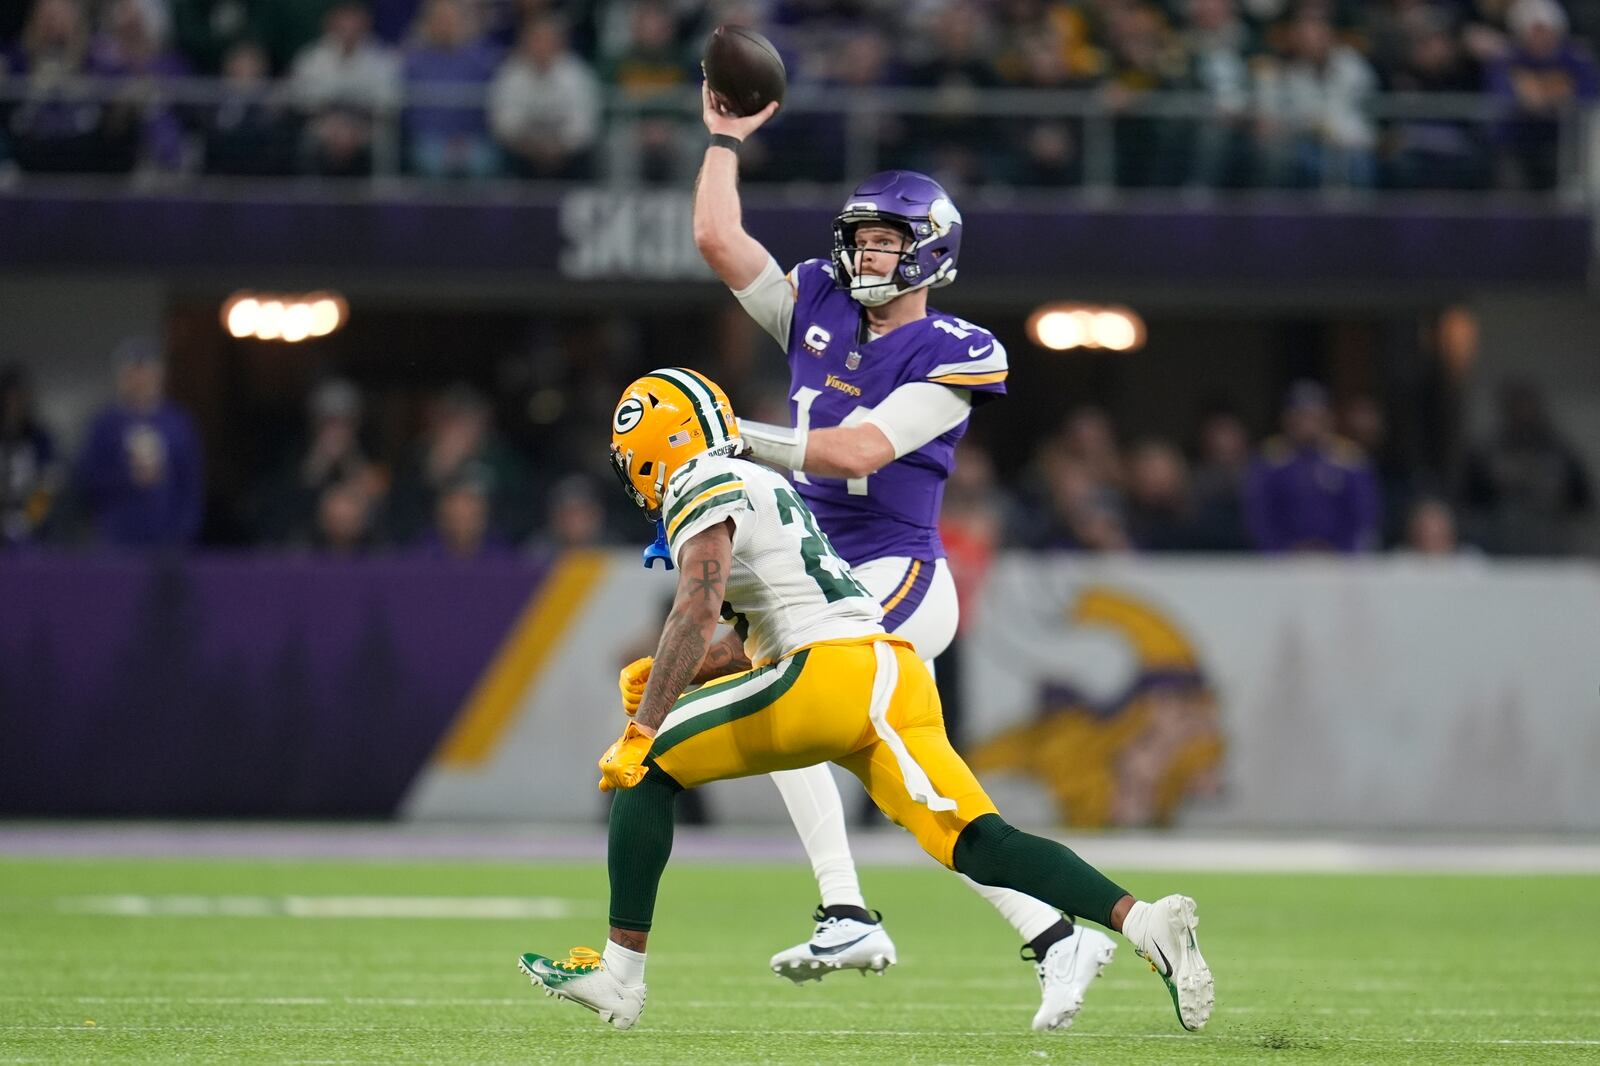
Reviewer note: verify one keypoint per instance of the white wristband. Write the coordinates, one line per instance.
(782, 446)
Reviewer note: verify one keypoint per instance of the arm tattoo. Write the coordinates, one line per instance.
(725, 657)
(689, 627)
(683, 645)
(709, 584)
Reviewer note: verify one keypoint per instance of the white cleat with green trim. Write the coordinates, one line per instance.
(583, 979)
(1163, 935)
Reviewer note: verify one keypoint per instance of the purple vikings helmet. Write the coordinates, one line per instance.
(909, 201)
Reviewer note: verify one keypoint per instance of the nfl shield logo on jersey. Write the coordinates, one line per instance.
(852, 361)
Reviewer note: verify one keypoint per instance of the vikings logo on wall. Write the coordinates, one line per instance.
(1127, 756)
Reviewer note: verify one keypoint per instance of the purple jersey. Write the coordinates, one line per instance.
(835, 379)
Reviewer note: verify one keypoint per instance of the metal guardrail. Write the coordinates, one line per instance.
(1102, 133)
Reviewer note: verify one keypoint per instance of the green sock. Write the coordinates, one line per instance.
(992, 852)
(638, 847)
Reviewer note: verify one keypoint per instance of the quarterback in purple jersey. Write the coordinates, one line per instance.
(881, 387)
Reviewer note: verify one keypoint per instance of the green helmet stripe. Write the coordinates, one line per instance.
(727, 430)
(690, 396)
(705, 404)
(694, 401)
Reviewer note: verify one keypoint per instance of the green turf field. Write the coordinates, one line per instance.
(1310, 969)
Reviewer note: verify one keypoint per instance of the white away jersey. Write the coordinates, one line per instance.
(788, 587)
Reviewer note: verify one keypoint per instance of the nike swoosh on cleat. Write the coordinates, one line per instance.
(838, 947)
(1164, 961)
(543, 972)
(973, 353)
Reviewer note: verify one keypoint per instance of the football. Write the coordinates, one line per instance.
(743, 69)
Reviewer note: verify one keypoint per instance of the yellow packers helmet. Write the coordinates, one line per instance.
(663, 420)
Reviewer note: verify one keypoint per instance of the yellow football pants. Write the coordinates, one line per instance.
(813, 706)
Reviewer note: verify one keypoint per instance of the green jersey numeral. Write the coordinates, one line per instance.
(827, 569)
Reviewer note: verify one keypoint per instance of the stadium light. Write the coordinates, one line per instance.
(1064, 327)
(296, 322)
(241, 315)
(328, 313)
(1056, 330)
(269, 324)
(287, 318)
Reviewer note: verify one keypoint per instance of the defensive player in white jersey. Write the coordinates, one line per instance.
(816, 678)
(881, 388)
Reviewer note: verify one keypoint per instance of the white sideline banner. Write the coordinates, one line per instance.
(1366, 694)
(1293, 694)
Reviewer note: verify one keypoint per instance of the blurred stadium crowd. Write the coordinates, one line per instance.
(1280, 93)
(473, 484)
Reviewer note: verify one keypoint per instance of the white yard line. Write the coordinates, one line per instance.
(996, 1002)
(417, 907)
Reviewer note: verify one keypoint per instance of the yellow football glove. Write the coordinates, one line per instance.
(635, 677)
(622, 766)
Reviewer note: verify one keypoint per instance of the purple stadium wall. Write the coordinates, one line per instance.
(236, 687)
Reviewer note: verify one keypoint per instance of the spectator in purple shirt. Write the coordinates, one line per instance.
(1310, 490)
(140, 472)
(449, 54)
(1436, 153)
(1544, 75)
(130, 49)
(54, 127)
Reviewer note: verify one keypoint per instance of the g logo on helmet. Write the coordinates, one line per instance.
(629, 412)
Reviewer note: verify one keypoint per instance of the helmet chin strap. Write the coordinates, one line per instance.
(872, 290)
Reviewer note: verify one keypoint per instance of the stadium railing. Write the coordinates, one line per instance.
(1001, 137)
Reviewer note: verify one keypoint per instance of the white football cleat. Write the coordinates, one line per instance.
(1065, 973)
(837, 944)
(583, 979)
(1163, 935)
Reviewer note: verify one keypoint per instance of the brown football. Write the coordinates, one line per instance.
(743, 69)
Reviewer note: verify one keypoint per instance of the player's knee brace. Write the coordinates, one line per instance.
(980, 850)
